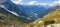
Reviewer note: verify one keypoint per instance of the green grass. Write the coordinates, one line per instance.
(55, 15)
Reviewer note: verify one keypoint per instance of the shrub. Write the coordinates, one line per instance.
(49, 22)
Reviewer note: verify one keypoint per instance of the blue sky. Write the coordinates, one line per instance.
(36, 2)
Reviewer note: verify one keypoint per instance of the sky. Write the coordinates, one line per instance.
(36, 2)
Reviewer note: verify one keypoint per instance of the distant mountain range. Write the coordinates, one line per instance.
(28, 12)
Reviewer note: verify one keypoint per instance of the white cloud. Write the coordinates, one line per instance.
(17, 1)
(43, 3)
(36, 3)
(40, 3)
(31, 2)
(20, 2)
(56, 3)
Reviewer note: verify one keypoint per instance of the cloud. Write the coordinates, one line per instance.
(36, 3)
(31, 2)
(17, 1)
(56, 3)
(43, 3)
(20, 2)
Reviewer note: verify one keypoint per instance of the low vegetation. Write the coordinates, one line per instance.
(50, 18)
(9, 20)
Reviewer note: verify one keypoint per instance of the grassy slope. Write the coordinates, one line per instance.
(55, 15)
